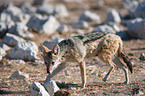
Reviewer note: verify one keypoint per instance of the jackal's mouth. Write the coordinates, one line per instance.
(48, 72)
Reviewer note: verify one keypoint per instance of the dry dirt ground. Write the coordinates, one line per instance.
(95, 86)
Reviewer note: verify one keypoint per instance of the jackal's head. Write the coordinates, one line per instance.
(51, 57)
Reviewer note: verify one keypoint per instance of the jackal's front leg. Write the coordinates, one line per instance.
(83, 73)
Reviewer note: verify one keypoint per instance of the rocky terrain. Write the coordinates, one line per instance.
(26, 25)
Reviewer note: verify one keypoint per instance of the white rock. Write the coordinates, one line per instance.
(19, 75)
(67, 73)
(105, 28)
(90, 16)
(80, 24)
(46, 9)
(115, 27)
(13, 10)
(15, 13)
(39, 62)
(17, 62)
(47, 25)
(5, 17)
(63, 28)
(113, 16)
(50, 25)
(127, 4)
(95, 74)
(12, 40)
(25, 50)
(27, 8)
(9, 24)
(35, 22)
(4, 27)
(21, 30)
(60, 10)
(136, 28)
(51, 87)
(25, 19)
(137, 9)
(5, 47)
(2, 53)
(38, 90)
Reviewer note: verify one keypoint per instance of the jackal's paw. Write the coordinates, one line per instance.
(126, 82)
(83, 86)
(104, 79)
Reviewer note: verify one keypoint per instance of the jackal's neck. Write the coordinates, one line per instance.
(65, 45)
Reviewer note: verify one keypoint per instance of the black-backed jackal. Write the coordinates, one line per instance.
(108, 47)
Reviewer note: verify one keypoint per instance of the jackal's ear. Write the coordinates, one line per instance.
(56, 50)
(45, 49)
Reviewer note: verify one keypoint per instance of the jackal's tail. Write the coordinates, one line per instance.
(127, 61)
(125, 57)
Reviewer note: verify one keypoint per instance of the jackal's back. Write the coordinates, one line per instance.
(90, 37)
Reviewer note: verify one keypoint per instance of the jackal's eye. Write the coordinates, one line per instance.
(52, 63)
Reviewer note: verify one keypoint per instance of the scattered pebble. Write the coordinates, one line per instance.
(39, 61)
(95, 74)
(4, 46)
(12, 40)
(142, 56)
(67, 73)
(63, 29)
(113, 16)
(51, 87)
(90, 16)
(80, 24)
(17, 61)
(37, 89)
(2, 53)
(19, 75)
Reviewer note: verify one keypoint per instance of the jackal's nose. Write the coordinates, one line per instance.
(48, 71)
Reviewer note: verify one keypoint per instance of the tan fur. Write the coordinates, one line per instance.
(107, 47)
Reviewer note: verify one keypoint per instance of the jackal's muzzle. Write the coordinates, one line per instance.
(49, 68)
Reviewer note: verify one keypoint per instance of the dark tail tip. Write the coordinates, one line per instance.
(127, 61)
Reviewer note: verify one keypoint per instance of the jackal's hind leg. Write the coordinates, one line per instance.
(83, 73)
(108, 74)
(57, 70)
(107, 59)
(119, 63)
(126, 75)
